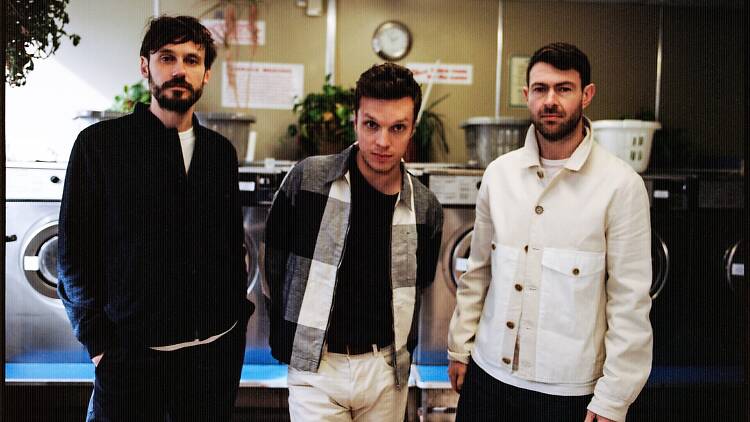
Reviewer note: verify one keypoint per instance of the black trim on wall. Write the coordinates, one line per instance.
(2, 212)
(746, 15)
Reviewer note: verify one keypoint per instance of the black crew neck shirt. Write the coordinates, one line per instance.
(362, 310)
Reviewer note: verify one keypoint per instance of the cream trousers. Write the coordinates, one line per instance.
(347, 388)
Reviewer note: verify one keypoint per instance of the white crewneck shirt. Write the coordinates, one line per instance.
(551, 167)
(187, 142)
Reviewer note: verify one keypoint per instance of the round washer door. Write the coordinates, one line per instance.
(734, 265)
(459, 258)
(254, 225)
(39, 260)
(659, 264)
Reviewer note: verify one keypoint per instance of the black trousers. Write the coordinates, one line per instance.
(192, 384)
(484, 398)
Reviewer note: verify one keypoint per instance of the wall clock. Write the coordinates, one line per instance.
(391, 40)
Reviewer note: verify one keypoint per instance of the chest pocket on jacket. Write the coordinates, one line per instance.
(571, 287)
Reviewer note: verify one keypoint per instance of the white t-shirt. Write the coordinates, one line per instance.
(187, 142)
(551, 167)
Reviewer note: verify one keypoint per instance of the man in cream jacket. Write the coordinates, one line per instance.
(552, 315)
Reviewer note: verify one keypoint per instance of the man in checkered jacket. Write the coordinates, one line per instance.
(351, 241)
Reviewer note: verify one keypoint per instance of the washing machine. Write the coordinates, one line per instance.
(673, 200)
(37, 327)
(456, 189)
(698, 317)
(721, 313)
(258, 183)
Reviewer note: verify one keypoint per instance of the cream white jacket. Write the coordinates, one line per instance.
(564, 268)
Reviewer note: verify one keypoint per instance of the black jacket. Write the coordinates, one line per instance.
(147, 254)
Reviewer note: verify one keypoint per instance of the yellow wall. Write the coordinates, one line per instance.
(452, 31)
(703, 74)
(619, 39)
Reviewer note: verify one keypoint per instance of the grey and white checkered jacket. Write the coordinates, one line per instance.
(305, 235)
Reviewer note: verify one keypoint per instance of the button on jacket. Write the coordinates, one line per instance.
(148, 254)
(564, 270)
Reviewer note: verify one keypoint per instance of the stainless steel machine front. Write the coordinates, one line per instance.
(258, 183)
(37, 327)
(456, 189)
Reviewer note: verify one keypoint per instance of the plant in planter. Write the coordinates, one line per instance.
(324, 124)
(429, 129)
(131, 95)
(34, 30)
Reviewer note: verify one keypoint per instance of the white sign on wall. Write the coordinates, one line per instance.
(447, 74)
(518, 65)
(261, 85)
(218, 30)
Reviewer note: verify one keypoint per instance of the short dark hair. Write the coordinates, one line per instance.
(562, 56)
(388, 81)
(177, 30)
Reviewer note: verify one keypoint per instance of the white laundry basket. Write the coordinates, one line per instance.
(630, 140)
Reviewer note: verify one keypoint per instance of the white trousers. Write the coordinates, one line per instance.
(347, 388)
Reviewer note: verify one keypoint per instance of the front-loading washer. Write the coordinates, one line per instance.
(456, 189)
(258, 184)
(36, 326)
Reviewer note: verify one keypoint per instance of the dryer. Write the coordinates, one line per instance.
(37, 327)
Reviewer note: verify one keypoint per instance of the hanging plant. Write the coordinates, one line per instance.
(34, 30)
(228, 10)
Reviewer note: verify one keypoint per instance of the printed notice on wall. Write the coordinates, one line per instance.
(517, 72)
(261, 85)
(242, 37)
(447, 74)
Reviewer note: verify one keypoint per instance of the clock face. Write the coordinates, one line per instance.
(391, 40)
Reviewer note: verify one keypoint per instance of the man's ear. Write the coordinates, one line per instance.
(206, 76)
(526, 93)
(144, 67)
(588, 94)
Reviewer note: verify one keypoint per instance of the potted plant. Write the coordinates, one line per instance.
(35, 30)
(324, 124)
(124, 103)
(130, 96)
(430, 128)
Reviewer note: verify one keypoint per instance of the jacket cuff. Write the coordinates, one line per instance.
(246, 309)
(101, 338)
(611, 409)
(459, 357)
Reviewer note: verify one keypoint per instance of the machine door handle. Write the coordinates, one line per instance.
(11, 238)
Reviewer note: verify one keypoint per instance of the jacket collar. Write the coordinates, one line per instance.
(530, 156)
(149, 121)
(340, 169)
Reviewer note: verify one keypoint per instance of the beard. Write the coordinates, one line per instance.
(172, 103)
(566, 127)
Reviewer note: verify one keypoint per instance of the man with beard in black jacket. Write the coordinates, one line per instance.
(151, 256)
